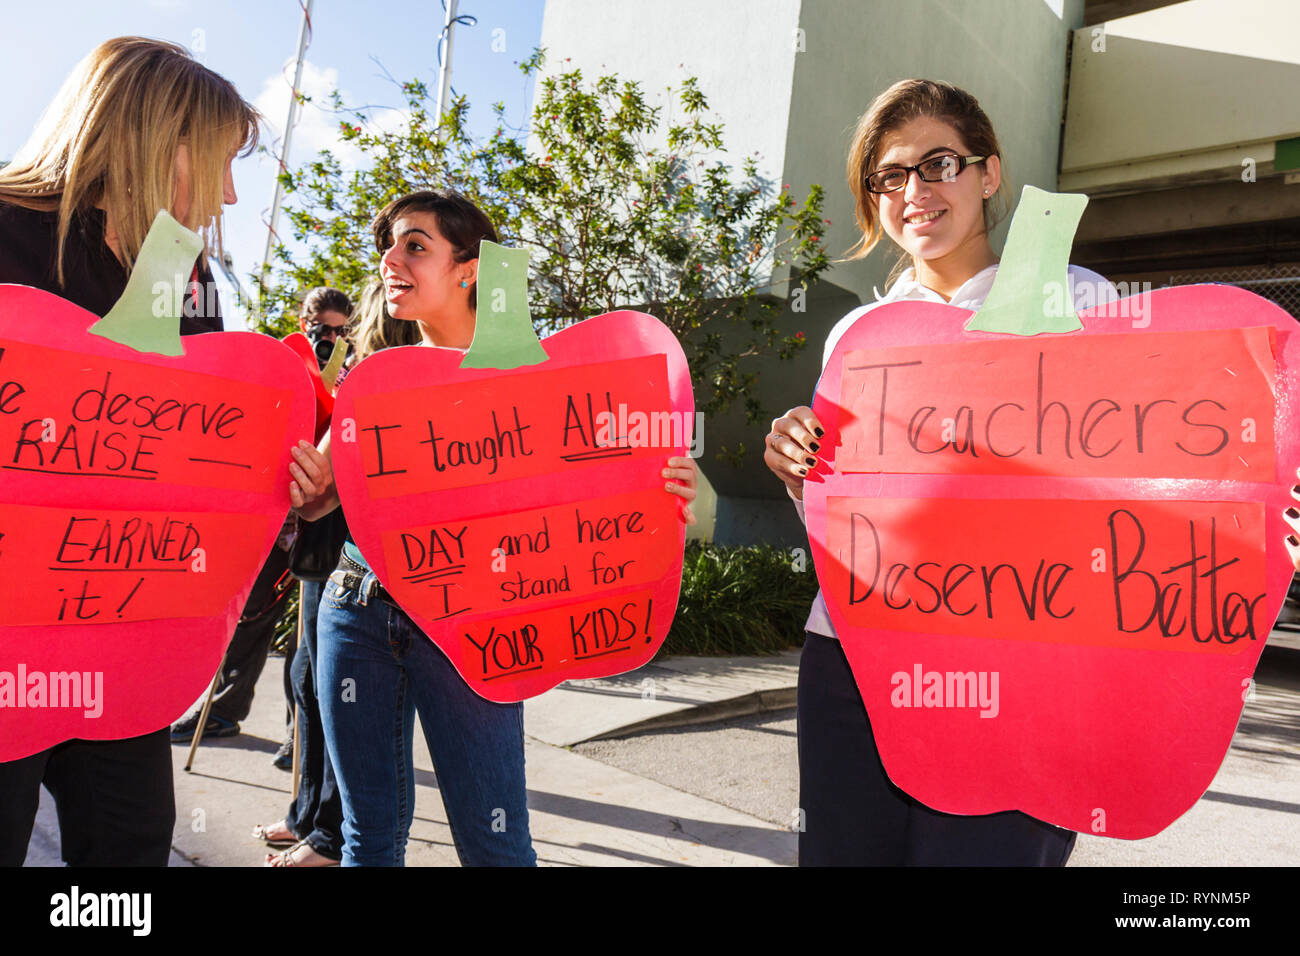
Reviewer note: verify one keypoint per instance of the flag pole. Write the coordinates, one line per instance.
(304, 32)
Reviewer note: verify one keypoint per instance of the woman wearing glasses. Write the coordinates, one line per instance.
(926, 170)
(323, 318)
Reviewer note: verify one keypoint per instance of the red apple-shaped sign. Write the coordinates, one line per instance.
(510, 499)
(1053, 559)
(322, 379)
(144, 483)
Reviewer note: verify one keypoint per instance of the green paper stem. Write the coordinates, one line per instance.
(330, 373)
(503, 331)
(144, 318)
(1031, 292)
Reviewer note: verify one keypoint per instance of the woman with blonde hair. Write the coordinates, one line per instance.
(138, 126)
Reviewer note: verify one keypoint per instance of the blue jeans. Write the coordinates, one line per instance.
(376, 670)
(317, 814)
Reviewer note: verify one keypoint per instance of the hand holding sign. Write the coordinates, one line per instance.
(144, 484)
(1053, 561)
(513, 503)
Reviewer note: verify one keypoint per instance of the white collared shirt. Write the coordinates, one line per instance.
(1087, 289)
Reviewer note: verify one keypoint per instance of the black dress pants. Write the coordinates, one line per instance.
(854, 816)
(246, 655)
(114, 798)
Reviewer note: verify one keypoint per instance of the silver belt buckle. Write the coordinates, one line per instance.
(340, 580)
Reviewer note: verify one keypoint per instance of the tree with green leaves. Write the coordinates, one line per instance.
(621, 204)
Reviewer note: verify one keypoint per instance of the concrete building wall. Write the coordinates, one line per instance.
(741, 50)
(795, 98)
(1174, 95)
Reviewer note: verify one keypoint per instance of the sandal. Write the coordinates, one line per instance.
(300, 854)
(263, 832)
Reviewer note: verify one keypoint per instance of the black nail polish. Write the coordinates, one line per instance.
(803, 471)
(1292, 539)
(1292, 513)
(818, 432)
(811, 461)
(814, 446)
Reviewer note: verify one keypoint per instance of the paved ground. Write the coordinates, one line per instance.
(1250, 816)
(721, 793)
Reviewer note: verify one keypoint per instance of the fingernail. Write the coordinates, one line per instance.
(1292, 513)
(814, 446)
(818, 432)
(811, 461)
(803, 471)
(1293, 540)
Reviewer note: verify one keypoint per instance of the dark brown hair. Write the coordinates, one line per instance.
(460, 222)
(903, 102)
(324, 299)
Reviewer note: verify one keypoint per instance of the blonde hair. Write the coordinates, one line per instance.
(376, 329)
(111, 135)
(903, 102)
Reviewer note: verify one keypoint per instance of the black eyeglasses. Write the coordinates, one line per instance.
(941, 167)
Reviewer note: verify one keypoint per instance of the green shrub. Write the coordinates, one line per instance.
(746, 600)
(734, 601)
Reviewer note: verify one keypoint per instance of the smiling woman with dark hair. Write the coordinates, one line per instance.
(429, 243)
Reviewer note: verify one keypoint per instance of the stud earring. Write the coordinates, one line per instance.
(464, 284)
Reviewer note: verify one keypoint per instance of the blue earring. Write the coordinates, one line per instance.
(464, 284)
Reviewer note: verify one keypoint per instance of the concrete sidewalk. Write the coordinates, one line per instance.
(587, 812)
(582, 812)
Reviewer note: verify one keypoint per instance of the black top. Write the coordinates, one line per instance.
(95, 279)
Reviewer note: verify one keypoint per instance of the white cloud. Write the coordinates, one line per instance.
(317, 127)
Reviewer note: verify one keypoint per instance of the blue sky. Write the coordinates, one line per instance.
(252, 43)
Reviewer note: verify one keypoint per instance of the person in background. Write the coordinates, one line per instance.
(322, 318)
(312, 829)
(138, 126)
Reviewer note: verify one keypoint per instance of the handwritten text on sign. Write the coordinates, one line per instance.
(1168, 575)
(66, 413)
(568, 422)
(100, 566)
(514, 562)
(1161, 405)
